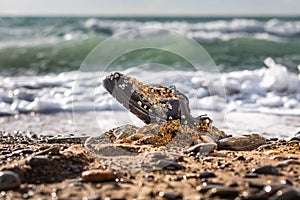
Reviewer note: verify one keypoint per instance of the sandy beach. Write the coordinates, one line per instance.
(52, 168)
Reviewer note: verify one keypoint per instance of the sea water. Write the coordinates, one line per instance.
(258, 59)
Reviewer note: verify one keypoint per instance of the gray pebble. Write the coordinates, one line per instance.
(201, 148)
(95, 197)
(158, 156)
(206, 186)
(38, 161)
(170, 195)
(207, 175)
(245, 142)
(259, 186)
(266, 169)
(251, 175)
(223, 192)
(281, 157)
(287, 163)
(271, 189)
(204, 189)
(169, 164)
(286, 182)
(286, 194)
(9, 180)
(264, 147)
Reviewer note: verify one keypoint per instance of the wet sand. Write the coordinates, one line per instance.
(233, 123)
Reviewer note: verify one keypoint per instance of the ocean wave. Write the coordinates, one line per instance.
(28, 31)
(52, 45)
(219, 30)
(232, 55)
(272, 89)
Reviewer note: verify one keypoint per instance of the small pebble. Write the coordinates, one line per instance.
(169, 164)
(264, 147)
(201, 148)
(251, 175)
(286, 194)
(281, 157)
(233, 184)
(38, 161)
(207, 175)
(5, 152)
(287, 163)
(272, 152)
(223, 192)
(158, 156)
(256, 185)
(190, 175)
(266, 169)
(170, 195)
(98, 176)
(286, 182)
(244, 142)
(94, 197)
(206, 186)
(242, 158)
(272, 139)
(272, 189)
(223, 166)
(149, 176)
(204, 189)
(9, 180)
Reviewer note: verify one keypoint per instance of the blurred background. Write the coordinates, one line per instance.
(39, 37)
(254, 43)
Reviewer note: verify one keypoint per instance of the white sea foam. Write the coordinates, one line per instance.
(272, 90)
(269, 89)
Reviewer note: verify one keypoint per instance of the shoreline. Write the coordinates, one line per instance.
(63, 123)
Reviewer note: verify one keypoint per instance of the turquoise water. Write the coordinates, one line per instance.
(51, 45)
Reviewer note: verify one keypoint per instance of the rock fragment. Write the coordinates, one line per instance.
(266, 169)
(170, 195)
(251, 175)
(287, 163)
(223, 192)
(38, 161)
(288, 193)
(9, 180)
(169, 164)
(201, 148)
(98, 176)
(207, 174)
